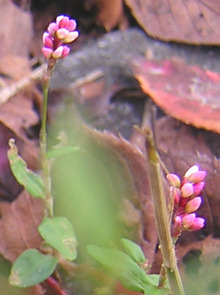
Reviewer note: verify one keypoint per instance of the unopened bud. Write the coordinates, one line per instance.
(188, 220)
(191, 170)
(48, 42)
(187, 190)
(70, 37)
(52, 29)
(47, 52)
(198, 223)
(197, 176)
(65, 52)
(58, 52)
(193, 205)
(62, 33)
(198, 187)
(173, 180)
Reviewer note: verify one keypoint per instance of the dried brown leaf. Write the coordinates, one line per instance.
(194, 21)
(19, 225)
(185, 92)
(15, 31)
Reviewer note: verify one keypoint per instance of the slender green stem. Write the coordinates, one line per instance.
(161, 213)
(43, 146)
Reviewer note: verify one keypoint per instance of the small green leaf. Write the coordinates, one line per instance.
(32, 268)
(31, 181)
(131, 275)
(133, 250)
(64, 150)
(58, 232)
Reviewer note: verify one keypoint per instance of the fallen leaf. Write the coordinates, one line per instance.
(16, 31)
(19, 225)
(194, 21)
(184, 92)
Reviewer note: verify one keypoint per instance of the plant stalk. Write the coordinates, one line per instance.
(43, 145)
(161, 212)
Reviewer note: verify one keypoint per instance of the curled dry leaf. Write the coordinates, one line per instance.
(185, 92)
(194, 21)
(19, 225)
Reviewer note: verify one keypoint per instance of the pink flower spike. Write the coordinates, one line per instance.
(47, 52)
(188, 220)
(71, 25)
(198, 223)
(193, 205)
(173, 180)
(58, 52)
(191, 170)
(198, 187)
(66, 51)
(187, 190)
(52, 28)
(70, 37)
(62, 33)
(197, 177)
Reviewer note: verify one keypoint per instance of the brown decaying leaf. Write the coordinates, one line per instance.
(185, 92)
(194, 21)
(18, 225)
(180, 148)
(15, 31)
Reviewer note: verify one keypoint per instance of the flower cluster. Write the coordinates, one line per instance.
(187, 200)
(58, 33)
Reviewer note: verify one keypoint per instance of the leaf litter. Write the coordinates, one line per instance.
(179, 145)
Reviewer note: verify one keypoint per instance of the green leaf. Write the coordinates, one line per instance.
(62, 151)
(31, 181)
(133, 250)
(58, 232)
(32, 268)
(131, 275)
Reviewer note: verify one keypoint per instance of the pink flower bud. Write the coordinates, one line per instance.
(59, 19)
(70, 37)
(187, 190)
(198, 187)
(188, 220)
(173, 180)
(47, 52)
(63, 22)
(48, 42)
(71, 25)
(193, 205)
(198, 223)
(52, 28)
(66, 51)
(197, 176)
(191, 170)
(62, 33)
(58, 52)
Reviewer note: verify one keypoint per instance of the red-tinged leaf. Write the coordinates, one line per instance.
(184, 92)
(19, 225)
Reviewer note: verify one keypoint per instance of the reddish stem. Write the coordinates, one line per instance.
(55, 286)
